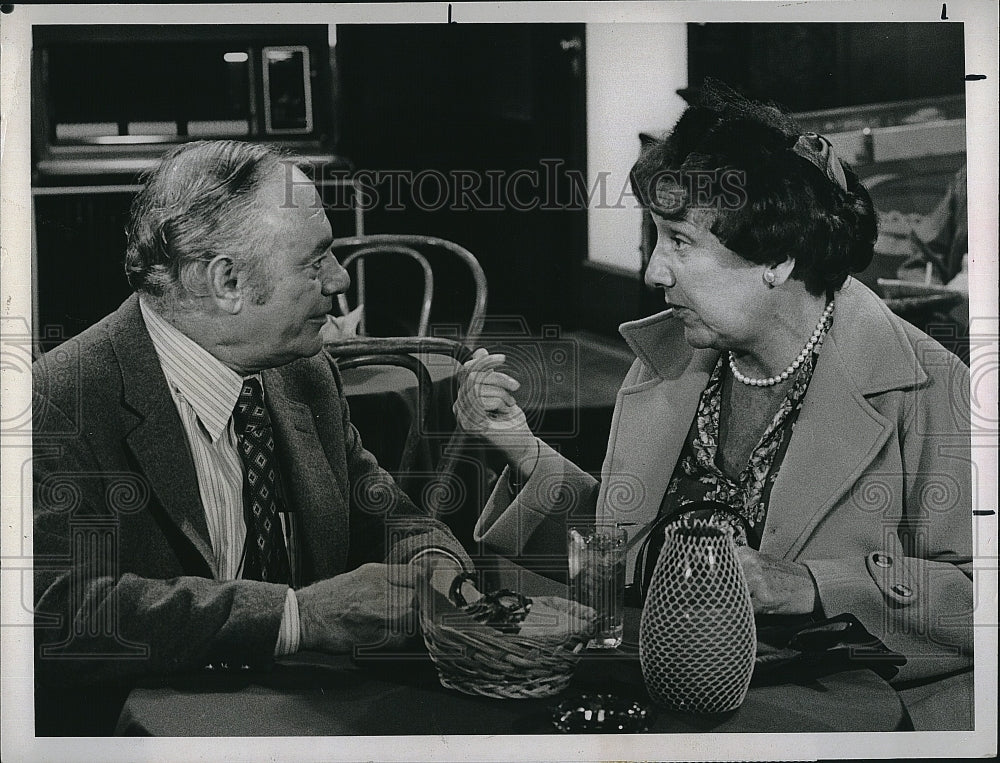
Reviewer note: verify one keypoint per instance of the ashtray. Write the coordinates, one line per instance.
(600, 713)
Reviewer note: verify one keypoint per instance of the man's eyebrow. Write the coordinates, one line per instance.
(321, 247)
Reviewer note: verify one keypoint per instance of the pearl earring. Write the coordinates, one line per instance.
(769, 277)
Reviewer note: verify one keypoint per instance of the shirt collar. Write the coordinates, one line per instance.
(209, 386)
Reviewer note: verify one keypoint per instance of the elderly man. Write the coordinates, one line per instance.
(201, 496)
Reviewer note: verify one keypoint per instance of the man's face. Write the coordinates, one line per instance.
(286, 303)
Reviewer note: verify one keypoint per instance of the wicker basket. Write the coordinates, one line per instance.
(477, 659)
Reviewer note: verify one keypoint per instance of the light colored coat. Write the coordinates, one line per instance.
(874, 494)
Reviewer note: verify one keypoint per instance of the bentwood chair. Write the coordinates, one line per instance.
(404, 259)
(418, 416)
(414, 354)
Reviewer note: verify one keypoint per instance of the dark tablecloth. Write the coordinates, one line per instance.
(399, 694)
(325, 695)
(375, 693)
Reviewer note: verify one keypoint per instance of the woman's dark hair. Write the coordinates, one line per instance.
(736, 156)
(199, 202)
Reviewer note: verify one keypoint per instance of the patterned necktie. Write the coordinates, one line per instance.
(266, 556)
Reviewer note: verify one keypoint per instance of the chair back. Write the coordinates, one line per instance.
(406, 352)
(354, 251)
(418, 421)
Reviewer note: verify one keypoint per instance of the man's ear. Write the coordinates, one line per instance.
(224, 285)
(783, 271)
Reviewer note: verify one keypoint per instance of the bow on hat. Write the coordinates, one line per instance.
(819, 151)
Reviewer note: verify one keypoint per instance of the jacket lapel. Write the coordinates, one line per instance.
(642, 450)
(310, 485)
(839, 432)
(837, 435)
(650, 424)
(157, 441)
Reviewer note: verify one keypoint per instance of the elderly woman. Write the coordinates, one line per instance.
(775, 393)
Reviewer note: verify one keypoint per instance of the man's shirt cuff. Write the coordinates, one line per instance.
(288, 633)
(437, 550)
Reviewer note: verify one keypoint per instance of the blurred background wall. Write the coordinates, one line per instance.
(513, 140)
(551, 112)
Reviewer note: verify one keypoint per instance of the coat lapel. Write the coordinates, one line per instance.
(643, 449)
(839, 432)
(157, 441)
(837, 435)
(312, 488)
(650, 424)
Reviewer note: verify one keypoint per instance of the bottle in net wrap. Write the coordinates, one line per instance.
(697, 638)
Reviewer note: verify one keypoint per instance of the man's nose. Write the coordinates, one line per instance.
(658, 272)
(335, 279)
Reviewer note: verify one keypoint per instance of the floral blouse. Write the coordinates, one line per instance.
(697, 477)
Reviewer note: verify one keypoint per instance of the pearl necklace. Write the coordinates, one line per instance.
(817, 337)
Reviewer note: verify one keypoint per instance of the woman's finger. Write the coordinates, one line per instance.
(478, 365)
(489, 383)
(495, 393)
(486, 360)
(481, 379)
(491, 403)
(504, 380)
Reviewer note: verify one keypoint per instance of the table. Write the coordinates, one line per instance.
(377, 694)
(315, 694)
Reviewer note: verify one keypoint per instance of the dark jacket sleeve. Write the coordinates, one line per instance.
(96, 622)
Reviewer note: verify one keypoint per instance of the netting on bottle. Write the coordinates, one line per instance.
(697, 639)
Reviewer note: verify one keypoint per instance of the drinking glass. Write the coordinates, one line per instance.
(597, 577)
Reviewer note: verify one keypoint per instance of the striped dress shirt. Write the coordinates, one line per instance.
(205, 392)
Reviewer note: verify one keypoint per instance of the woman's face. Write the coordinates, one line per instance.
(718, 295)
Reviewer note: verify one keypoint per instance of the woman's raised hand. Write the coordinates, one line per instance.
(485, 406)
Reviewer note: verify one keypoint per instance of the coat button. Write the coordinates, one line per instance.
(882, 560)
(901, 589)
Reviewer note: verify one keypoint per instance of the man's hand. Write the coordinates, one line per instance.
(553, 616)
(372, 605)
(485, 406)
(777, 586)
